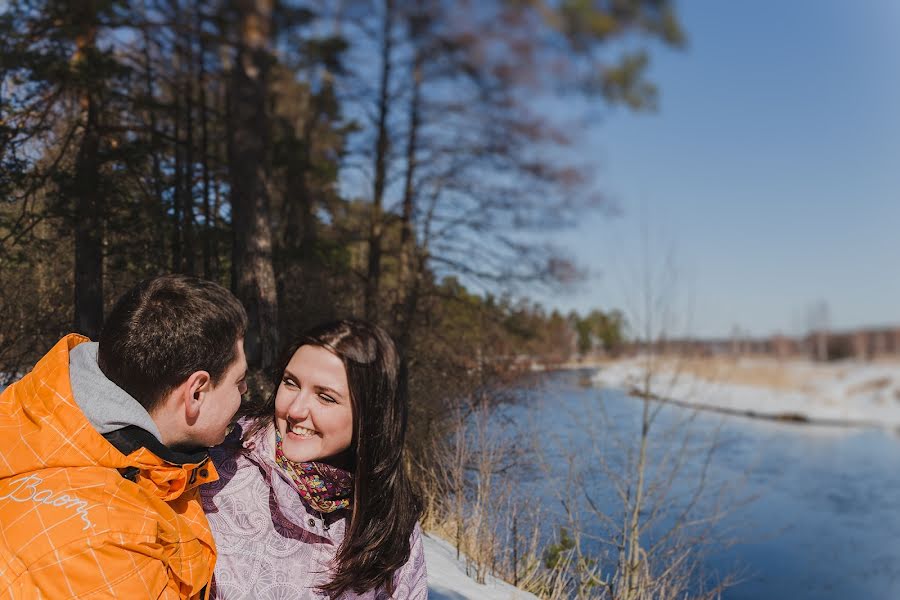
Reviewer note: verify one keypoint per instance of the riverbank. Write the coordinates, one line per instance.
(845, 393)
(447, 578)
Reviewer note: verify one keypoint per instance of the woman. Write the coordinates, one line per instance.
(313, 500)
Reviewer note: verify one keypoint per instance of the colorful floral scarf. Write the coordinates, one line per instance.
(325, 488)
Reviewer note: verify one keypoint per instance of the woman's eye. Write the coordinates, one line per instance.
(288, 382)
(327, 398)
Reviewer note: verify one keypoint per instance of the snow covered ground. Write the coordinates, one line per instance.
(851, 393)
(447, 579)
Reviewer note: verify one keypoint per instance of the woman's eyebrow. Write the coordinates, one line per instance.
(325, 388)
(318, 388)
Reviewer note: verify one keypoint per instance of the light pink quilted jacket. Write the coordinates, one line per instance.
(270, 544)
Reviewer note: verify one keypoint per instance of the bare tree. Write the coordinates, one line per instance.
(818, 323)
(455, 160)
(643, 492)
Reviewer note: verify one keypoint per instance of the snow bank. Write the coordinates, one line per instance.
(447, 579)
(842, 393)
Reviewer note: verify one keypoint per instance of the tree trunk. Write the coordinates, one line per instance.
(221, 146)
(407, 242)
(304, 196)
(188, 186)
(382, 147)
(410, 283)
(156, 209)
(299, 214)
(89, 206)
(248, 154)
(204, 151)
(177, 193)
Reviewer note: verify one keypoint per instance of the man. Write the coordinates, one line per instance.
(103, 447)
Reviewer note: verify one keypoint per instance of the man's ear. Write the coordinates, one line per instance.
(194, 389)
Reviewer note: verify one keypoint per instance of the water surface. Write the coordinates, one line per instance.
(814, 512)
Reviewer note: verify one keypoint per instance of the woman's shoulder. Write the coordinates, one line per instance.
(244, 438)
(238, 453)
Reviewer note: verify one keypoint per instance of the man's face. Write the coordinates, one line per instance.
(221, 402)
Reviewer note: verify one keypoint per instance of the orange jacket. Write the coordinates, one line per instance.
(71, 525)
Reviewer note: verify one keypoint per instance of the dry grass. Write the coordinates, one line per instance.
(792, 375)
(757, 372)
(870, 386)
(470, 503)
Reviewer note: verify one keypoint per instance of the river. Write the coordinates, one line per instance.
(808, 512)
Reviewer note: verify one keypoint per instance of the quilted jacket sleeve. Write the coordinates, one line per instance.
(99, 568)
(412, 579)
(94, 568)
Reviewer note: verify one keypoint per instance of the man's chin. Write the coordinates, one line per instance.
(204, 443)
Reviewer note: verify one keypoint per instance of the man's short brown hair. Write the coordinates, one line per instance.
(164, 329)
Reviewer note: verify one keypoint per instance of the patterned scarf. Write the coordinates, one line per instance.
(325, 488)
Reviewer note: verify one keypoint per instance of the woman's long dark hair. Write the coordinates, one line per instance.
(385, 508)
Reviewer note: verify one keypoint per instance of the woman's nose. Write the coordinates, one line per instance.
(299, 408)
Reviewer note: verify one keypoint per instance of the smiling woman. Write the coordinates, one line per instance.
(313, 499)
(313, 415)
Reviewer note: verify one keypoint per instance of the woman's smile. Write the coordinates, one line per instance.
(301, 432)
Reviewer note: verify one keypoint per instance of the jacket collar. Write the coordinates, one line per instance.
(165, 472)
(131, 438)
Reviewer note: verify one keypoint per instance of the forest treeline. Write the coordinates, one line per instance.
(383, 159)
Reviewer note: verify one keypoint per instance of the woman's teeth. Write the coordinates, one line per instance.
(302, 431)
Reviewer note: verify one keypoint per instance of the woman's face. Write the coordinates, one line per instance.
(312, 406)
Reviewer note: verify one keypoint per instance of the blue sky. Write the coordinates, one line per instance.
(772, 168)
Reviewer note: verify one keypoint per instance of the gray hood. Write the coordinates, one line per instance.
(107, 406)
